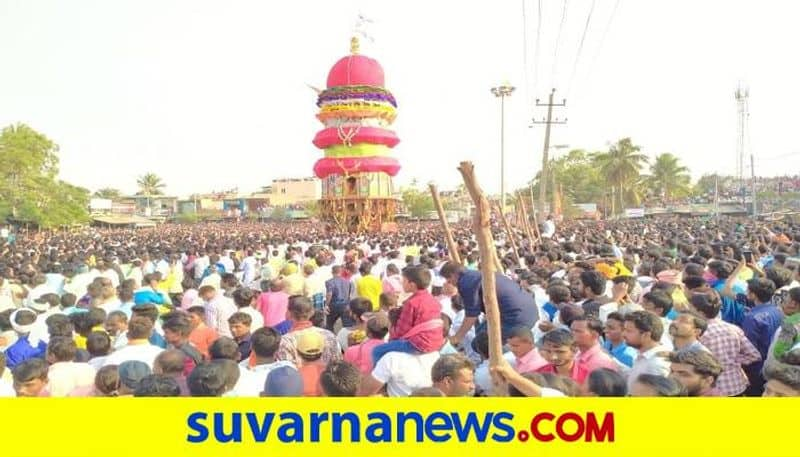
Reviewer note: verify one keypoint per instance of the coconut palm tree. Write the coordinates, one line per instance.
(150, 184)
(668, 178)
(620, 166)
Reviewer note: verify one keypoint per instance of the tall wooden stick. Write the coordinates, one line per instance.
(536, 226)
(509, 233)
(526, 224)
(487, 250)
(448, 235)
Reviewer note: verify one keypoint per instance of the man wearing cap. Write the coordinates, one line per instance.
(28, 346)
(283, 382)
(299, 312)
(310, 345)
(131, 372)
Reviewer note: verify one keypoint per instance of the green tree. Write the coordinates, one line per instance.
(577, 176)
(108, 192)
(27, 159)
(668, 178)
(418, 202)
(150, 184)
(29, 189)
(707, 184)
(620, 167)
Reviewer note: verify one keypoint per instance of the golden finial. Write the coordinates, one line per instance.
(354, 45)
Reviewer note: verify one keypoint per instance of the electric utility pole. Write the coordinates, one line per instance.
(543, 177)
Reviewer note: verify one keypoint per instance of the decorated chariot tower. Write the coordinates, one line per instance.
(356, 171)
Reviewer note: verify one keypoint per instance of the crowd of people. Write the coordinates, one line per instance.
(663, 307)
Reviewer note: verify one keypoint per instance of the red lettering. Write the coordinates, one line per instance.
(563, 434)
(600, 432)
(587, 428)
(544, 437)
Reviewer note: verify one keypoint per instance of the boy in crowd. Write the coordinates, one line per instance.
(239, 324)
(559, 348)
(360, 355)
(30, 378)
(177, 329)
(419, 327)
(340, 379)
(201, 336)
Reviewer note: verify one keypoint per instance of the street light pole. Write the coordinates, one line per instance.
(502, 92)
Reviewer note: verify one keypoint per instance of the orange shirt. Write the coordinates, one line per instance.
(202, 337)
(310, 372)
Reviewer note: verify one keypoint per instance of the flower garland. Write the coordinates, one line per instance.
(358, 150)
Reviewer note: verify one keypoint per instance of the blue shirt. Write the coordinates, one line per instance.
(284, 327)
(551, 311)
(733, 310)
(157, 340)
(340, 290)
(517, 306)
(760, 325)
(623, 353)
(148, 295)
(22, 351)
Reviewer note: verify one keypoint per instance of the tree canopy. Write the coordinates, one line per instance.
(150, 184)
(107, 192)
(30, 190)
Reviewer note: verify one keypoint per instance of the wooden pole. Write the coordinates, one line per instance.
(448, 235)
(487, 251)
(536, 226)
(526, 224)
(509, 233)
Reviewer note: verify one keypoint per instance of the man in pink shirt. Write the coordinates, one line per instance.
(360, 355)
(587, 331)
(528, 359)
(273, 304)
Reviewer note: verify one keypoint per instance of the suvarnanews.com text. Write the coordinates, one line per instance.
(400, 427)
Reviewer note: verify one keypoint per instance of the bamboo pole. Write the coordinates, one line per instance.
(527, 225)
(536, 226)
(487, 251)
(448, 235)
(509, 233)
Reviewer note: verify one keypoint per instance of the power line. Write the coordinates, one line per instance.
(558, 39)
(603, 37)
(580, 47)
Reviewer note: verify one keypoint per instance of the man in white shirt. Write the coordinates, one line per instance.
(264, 343)
(249, 268)
(64, 375)
(40, 288)
(401, 373)
(245, 299)
(218, 309)
(138, 346)
(200, 264)
(642, 331)
(227, 262)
